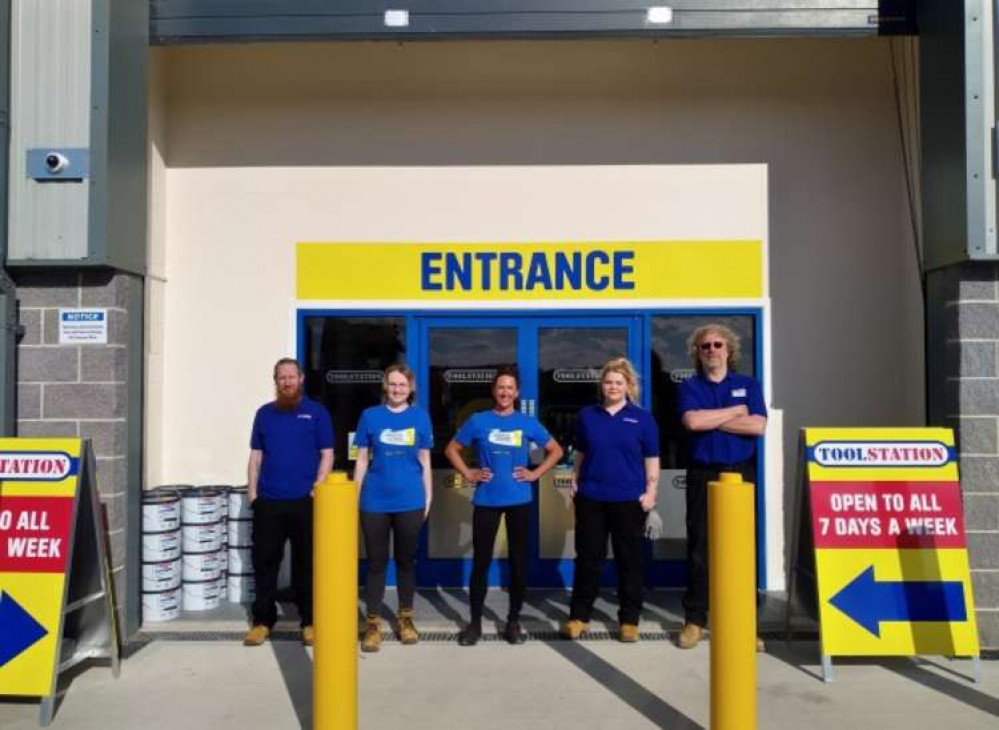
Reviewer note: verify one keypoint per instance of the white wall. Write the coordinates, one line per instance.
(260, 139)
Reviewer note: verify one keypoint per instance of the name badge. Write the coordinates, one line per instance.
(739, 393)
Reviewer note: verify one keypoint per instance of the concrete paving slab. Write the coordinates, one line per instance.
(541, 685)
(180, 681)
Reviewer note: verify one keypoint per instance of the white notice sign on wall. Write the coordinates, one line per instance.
(83, 326)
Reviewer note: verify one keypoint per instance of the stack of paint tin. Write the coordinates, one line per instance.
(203, 537)
(240, 581)
(161, 561)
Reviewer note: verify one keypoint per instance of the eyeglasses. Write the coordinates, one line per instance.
(706, 346)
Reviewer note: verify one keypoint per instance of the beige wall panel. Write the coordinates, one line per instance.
(272, 144)
(155, 282)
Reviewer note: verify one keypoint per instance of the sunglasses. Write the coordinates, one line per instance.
(706, 346)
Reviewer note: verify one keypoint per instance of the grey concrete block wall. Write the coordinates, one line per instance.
(963, 393)
(67, 390)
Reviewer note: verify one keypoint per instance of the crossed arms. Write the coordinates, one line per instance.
(734, 419)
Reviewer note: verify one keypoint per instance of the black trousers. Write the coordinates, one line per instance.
(625, 523)
(485, 525)
(695, 601)
(404, 528)
(274, 522)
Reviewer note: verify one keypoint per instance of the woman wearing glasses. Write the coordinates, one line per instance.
(502, 439)
(724, 413)
(615, 483)
(393, 468)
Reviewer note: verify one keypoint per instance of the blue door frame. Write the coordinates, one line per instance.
(548, 572)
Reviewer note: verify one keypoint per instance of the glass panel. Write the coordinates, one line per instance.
(462, 364)
(671, 365)
(344, 360)
(569, 362)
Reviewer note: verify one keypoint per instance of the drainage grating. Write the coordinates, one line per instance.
(425, 636)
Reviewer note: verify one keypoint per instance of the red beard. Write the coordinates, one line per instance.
(285, 401)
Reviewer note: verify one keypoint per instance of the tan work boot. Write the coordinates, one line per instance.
(690, 636)
(573, 628)
(628, 633)
(256, 635)
(372, 640)
(308, 636)
(408, 634)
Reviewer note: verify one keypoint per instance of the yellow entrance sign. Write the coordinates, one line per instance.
(594, 270)
(891, 562)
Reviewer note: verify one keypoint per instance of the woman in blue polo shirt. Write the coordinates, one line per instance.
(393, 468)
(502, 438)
(615, 483)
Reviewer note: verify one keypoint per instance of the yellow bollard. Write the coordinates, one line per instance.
(732, 602)
(334, 662)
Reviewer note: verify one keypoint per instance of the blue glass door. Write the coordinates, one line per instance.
(559, 360)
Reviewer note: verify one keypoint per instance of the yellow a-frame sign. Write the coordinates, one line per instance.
(56, 605)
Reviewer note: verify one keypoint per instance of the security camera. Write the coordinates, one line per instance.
(56, 162)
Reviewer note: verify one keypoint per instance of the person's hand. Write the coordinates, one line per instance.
(573, 486)
(476, 476)
(426, 511)
(741, 410)
(648, 501)
(523, 474)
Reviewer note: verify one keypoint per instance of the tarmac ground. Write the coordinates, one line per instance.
(195, 674)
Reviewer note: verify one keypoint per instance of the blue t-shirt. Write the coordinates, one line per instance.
(614, 451)
(716, 446)
(394, 480)
(502, 444)
(291, 442)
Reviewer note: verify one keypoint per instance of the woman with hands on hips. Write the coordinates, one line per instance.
(501, 437)
(393, 470)
(616, 479)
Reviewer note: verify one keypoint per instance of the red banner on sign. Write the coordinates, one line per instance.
(887, 515)
(34, 534)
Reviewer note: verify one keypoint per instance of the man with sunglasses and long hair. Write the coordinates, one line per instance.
(724, 414)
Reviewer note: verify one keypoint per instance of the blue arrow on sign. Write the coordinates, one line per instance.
(18, 629)
(869, 602)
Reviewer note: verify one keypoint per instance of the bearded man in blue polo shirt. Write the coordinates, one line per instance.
(291, 450)
(724, 414)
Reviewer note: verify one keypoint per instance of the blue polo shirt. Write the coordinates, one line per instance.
(394, 480)
(502, 443)
(718, 447)
(291, 442)
(614, 451)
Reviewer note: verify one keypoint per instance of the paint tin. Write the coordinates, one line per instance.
(206, 538)
(239, 504)
(200, 567)
(161, 605)
(162, 576)
(158, 547)
(160, 510)
(240, 560)
(240, 533)
(202, 505)
(241, 588)
(202, 595)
